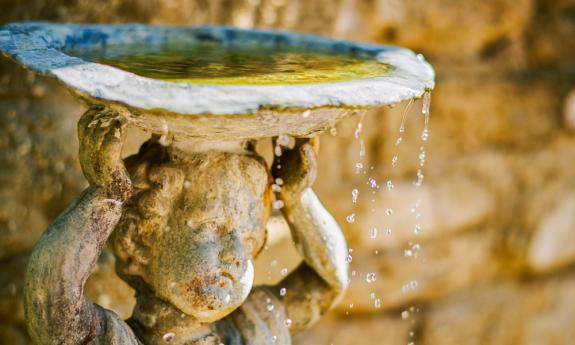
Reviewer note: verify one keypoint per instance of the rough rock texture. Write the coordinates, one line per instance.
(496, 264)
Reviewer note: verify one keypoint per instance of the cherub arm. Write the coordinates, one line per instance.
(57, 310)
(318, 283)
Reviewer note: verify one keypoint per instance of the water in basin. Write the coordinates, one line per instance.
(213, 63)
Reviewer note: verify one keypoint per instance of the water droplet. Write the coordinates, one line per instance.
(417, 229)
(398, 141)
(420, 177)
(394, 161)
(227, 299)
(413, 284)
(405, 315)
(421, 156)
(389, 185)
(283, 292)
(426, 103)
(354, 194)
(284, 272)
(358, 167)
(306, 113)
(168, 336)
(425, 134)
(408, 253)
(377, 303)
(276, 188)
(278, 204)
(288, 323)
(274, 338)
(373, 233)
(389, 211)
(372, 182)
(284, 140)
(388, 231)
(279, 181)
(333, 131)
(358, 129)
(278, 151)
(350, 218)
(349, 258)
(370, 277)
(270, 307)
(404, 115)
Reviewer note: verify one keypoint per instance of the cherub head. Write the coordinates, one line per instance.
(193, 226)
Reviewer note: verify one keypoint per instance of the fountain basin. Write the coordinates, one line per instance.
(218, 108)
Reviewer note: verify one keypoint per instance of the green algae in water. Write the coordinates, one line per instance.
(211, 63)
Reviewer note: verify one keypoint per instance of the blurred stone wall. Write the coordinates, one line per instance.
(494, 262)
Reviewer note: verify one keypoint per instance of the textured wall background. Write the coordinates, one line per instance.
(497, 257)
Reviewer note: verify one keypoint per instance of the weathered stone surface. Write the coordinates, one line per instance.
(375, 329)
(551, 245)
(454, 31)
(408, 275)
(569, 111)
(476, 113)
(103, 286)
(12, 323)
(535, 313)
(107, 289)
(38, 154)
(549, 40)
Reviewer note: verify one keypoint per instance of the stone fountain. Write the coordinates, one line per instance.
(186, 215)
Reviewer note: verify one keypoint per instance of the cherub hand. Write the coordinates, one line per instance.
(102, 134)
(298, 166)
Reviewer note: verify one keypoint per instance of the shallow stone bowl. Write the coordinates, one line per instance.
(212, 112)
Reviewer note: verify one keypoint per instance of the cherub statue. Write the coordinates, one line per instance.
(185, 222)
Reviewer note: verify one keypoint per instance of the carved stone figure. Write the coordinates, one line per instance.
(185, 221)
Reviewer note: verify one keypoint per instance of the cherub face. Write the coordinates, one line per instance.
(207, 226)
(205, 267)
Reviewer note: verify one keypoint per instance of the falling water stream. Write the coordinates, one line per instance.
(413, 247)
